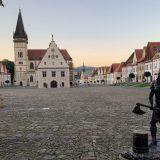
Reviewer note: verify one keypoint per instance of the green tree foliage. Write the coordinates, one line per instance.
(10, 67)
(1, 3)
(147, 74)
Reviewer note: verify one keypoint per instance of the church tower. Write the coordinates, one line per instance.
(20, 40)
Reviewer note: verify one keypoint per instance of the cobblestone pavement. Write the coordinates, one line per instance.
(69, 124)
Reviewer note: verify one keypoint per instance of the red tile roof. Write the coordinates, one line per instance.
(119, 68)
(38, 54)
(107, 69)
(151, 50)
(129, 60)
(113, 67)
(95, 72)
(156, 56)
(3, 69)
(139, 53)
(65, 54)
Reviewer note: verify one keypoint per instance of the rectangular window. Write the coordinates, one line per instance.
(62, 74)
(53, 73)
(20, 54)
(44, 73)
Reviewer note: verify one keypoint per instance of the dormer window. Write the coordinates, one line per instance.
(45, 63)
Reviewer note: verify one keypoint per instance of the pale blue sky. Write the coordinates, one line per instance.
(98, 32)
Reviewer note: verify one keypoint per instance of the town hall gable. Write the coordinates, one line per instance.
(53, 58)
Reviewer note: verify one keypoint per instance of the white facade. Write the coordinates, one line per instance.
(149, 68)
(110, 78)
(4, 76)
(156, 68)
(100, 76)
(53, 70)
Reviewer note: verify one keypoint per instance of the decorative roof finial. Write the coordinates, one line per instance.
(52, 37)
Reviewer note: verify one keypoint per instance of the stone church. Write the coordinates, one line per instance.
(43, 68)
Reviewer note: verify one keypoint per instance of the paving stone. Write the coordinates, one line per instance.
(69, 124)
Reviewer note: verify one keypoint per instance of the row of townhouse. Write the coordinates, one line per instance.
(5, 78)
(108, 74)
(142, 65)
(95, 76)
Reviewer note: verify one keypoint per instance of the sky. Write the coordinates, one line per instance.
(96, 32)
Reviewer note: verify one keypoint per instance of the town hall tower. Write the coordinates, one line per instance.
(20, 40)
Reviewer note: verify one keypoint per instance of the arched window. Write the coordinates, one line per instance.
(31, 65)
(31, 78)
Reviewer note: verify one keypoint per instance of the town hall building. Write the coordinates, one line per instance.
(42, 68)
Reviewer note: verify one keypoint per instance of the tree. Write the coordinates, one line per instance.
(10, 67)
(131, 76)
(1, 3)
(147, 74)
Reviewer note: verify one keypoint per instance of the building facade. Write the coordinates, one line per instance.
(44, 68)
(5, 77)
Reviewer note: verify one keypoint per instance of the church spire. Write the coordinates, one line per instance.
(20, 31)
(83, 67)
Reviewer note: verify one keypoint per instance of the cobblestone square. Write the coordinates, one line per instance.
(69, 124)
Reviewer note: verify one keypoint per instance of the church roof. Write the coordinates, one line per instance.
(38, 54)
(20, 31)
(65, 54)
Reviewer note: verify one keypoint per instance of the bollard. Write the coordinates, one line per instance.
(140, 142)
(1, 102)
